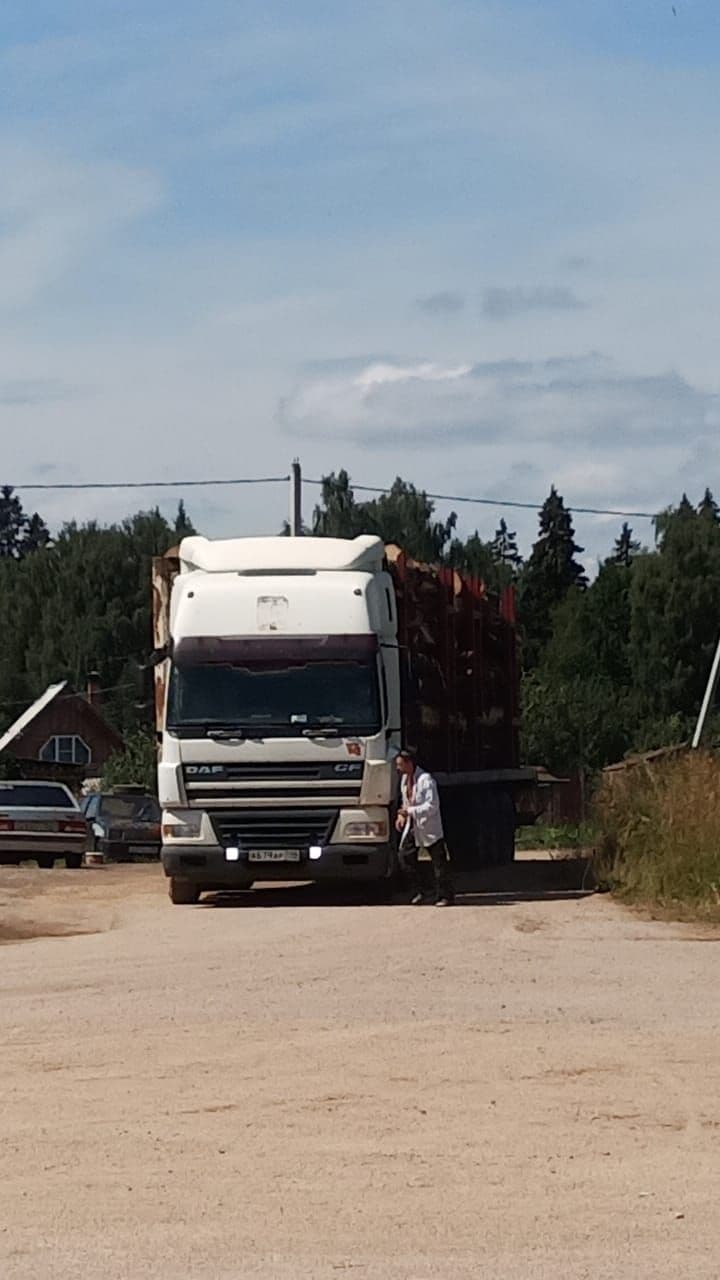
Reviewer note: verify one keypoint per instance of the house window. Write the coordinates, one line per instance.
(66, 748)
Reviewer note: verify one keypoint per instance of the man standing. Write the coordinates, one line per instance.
(420, 822)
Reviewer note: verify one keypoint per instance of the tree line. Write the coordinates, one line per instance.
(79, 603)
(610, 665)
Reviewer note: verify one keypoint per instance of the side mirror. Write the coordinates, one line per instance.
(156, 657)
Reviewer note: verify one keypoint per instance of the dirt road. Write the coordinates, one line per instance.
(282, 1088)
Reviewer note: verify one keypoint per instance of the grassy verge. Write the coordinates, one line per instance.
(566, 837)
(657, 834)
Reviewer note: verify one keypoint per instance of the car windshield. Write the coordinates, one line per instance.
(130, 808)
(289, 698)
(34, 795)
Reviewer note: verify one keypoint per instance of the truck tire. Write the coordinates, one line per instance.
(46, 861)
(73, 861)
(496, 828)
(183, 893)
(480, 827)
(9, 859)
(378, 893)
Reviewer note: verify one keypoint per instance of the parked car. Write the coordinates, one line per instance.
(123, 824)
(40, 820)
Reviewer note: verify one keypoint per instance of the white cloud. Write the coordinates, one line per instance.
(378, 375)
(507, 429)
(586, 399)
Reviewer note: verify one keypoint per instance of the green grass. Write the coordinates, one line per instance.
(566, 836)
(658, 835)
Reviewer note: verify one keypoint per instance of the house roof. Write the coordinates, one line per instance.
(52, 691)
(29, 715)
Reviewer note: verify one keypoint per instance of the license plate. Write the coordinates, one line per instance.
(274, 855)
(41, 826)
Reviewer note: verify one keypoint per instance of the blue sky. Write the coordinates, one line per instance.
(472, 243)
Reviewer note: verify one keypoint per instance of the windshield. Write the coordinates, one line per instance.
(127, 808)
(34, 795)
(292, 698)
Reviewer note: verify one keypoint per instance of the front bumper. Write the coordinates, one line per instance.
(29, 844)
(207, 866)
(120, 850)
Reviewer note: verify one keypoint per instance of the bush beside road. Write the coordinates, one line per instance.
(658, 834)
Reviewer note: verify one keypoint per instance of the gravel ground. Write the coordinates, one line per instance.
(277, 1086)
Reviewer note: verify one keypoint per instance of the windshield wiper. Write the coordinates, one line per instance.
(320, 732)
(225, 735)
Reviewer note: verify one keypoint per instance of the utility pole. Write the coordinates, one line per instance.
(296, 525)
(707, 700)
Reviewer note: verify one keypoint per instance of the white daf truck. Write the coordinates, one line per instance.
(289, 672)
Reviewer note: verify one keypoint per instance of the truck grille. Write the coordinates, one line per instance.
(275, 829)
(275, 771)
(324, 782)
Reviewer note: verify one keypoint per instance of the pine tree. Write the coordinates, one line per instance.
(625, 549)
(504, 551)
(683, 511)
(708, 507)
(12, 523)
(20, 535)
(36, 535)
(550, 573)
(184, 527)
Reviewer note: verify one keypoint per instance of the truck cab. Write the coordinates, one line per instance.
(279, 713)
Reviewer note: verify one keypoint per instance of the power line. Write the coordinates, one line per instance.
(501, 502)
(147, 484)
(76, 487)
(64, 697)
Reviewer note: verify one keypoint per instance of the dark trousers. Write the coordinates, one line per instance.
(442, 873)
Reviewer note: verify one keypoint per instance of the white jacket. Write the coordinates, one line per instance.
(424, 817)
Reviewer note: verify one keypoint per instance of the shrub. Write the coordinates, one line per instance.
(136, 765)
(658, 832)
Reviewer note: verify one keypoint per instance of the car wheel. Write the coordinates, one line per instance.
(45, 861)
(73, 861)
(183, 893)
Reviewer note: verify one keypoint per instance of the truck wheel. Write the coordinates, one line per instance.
(379, 892)
(9, 859)
(46, 861)
(73, 861)
(183, 893)
(499, 829)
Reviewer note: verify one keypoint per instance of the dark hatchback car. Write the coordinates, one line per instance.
(123, 825)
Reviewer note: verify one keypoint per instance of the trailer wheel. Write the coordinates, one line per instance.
(73, 861)
(489, 829)
(500, 830)
(46, 861)
(183, 893)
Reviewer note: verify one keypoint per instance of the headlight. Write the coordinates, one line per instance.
(365, 831)
(184, 824)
